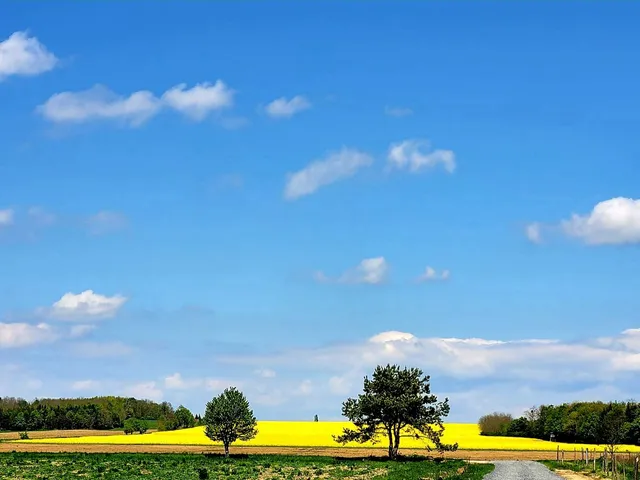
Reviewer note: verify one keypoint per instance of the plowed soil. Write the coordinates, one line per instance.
(60, 434)
(330, 452)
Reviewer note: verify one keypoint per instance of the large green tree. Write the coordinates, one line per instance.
(396, 402)
(228, 417)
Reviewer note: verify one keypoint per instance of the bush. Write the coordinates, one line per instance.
(203, 473)
(24, 436)
(495, 423)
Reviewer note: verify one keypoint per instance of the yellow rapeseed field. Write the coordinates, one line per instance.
(319, 434)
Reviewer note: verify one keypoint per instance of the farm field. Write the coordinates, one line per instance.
(319, 434)
(21, 466)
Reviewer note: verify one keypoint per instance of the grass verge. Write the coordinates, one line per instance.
(30, 466)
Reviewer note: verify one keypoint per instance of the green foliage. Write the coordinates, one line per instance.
(102, 413)
(184, 418)
(33, 466)
(132, 425)
(396, 403)
(24, 436)
(315, 418)
(495, 423)
(228, 417)
(599, 423)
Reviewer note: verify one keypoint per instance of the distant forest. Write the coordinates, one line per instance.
(100, 413)
(582, 422)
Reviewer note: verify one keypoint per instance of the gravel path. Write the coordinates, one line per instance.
(521, 471)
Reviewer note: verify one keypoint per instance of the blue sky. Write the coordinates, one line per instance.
(280, 196)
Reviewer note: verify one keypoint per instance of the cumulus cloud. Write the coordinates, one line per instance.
(100, 103)
(14, 335)
(198, 101)
(105, 222)
(527, 360)
(416, 155)
(398, 111)
(333, 168)
(85, 306)
(21, 54)
(430, 275)
(611, 222)
(371, 271)
(6, 217)
(283, 108)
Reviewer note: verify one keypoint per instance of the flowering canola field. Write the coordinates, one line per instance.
(319, 434)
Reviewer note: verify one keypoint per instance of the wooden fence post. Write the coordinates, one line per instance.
(558, 454)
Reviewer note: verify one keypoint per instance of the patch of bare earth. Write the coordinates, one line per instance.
(569, 475)
(474, 455)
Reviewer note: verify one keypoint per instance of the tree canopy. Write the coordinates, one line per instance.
(396, 402)
(228, 417)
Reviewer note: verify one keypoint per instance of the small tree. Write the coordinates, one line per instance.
(184, 417)
(396, 403)
(495, 423)
(228, 417)
(315, 418)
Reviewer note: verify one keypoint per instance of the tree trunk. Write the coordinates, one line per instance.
(396, 443)
(226, 450)
(391, 450)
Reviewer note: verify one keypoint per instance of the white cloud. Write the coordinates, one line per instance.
(101, 349)
(105, 222)
(6, 217)
(80, 330)
(86, 305)
(13, 335)
(533, 231)
(145, 390)
(414, 156)
(371, 271)
(21, 54)
(614, 221)
(398, 111)
(530, 360)
(176, 382)
(85, 385)
(265, 373)
(335, 167)
(283, 108)
(430, 274)
(198, 101)
(99, 103)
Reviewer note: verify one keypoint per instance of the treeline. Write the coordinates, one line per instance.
(582, 422)
(99, 413)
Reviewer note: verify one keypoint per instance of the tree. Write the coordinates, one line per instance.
(495, 423)
(228, 417)
(613, 426)
(184, 417)
(315, 418)
(396, 403)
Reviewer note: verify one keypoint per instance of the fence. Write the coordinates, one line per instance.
(614, 464)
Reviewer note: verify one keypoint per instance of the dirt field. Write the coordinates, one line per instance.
(60, 434)
(332, 452)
